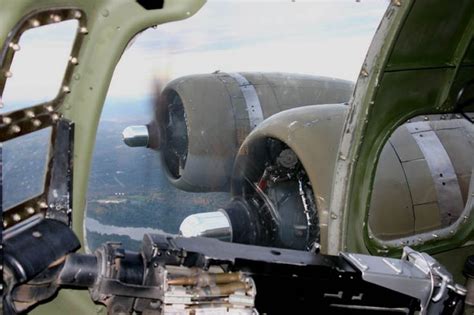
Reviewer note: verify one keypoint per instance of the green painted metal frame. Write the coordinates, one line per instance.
(111, 24)
(404, 75)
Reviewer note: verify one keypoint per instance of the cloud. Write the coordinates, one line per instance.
(315, 37)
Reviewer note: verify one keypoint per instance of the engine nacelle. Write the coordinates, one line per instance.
(201, 120)
(284, 170)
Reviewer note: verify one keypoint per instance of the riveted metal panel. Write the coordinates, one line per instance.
(420, 182)
(427, 217)
(460, 151)
(391, 213)
(405, 145)
(443, 174)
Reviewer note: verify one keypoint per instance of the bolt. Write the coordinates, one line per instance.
(29, 114)
(54, 117)
(364, 73)
(43, 205)
(56, 18)
(14, 46)
(15, 129)
(49, 108)
(16, 217)
(36, 122)
(34, 23)
(66, 89)
(73, 60)
(83, 30)
(6, 120)
(77, 14)
(30, 210)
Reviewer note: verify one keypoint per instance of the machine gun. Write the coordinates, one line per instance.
(177, 275)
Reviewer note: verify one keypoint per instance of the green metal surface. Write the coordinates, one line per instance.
(401, 78)
(111, 24)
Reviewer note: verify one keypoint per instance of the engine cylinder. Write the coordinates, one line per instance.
(203, 119)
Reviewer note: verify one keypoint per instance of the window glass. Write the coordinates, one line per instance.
(38, 66)
(192, 91)
(423, 177)
(24, 167)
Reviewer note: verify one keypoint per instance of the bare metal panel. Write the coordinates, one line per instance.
(427, 217)
(420, 182)
(254, 109)
(457, 146)
(391, 213)
(406, 147)
(444, 176)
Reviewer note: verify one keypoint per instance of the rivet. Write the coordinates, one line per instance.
(426, 118)
(16, 217)
(333, 216)
(435, 235)
(8, 74)
(364, 72)
(6, 120)
(14, 46)
(30, 114)
(15, 129)
(36, 122)
(34, 23)
(451, 232)
(83, 30)
(49, 108)
(66, 89)
(56, 18)
(397, 3)
(30, 210)
(458, 116)
(105, 13)
(54, 117)
(77, 14)
(77, 77)
(36, 234)
(43, 205)
(73, 60)
(342, 157)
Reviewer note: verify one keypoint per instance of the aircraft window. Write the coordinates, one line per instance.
(173, 169)
(423, 177)
(36, 72)
(24, 165)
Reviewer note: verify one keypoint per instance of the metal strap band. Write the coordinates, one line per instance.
(442, 171)
(252, 101)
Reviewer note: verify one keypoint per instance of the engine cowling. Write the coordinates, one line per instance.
(284, 170)
(201, 120)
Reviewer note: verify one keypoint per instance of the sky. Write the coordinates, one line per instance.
(320, 37)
